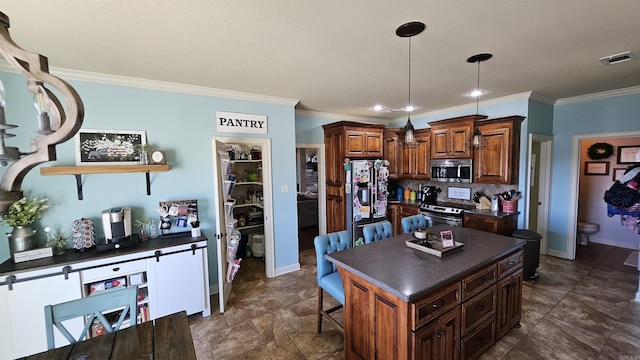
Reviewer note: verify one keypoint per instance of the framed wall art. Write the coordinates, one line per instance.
(618, 173)
(108, 147)
(628, 154)
(596, 168)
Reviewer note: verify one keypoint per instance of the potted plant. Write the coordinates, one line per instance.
(58, 243)
(21, 215)
(143, 224)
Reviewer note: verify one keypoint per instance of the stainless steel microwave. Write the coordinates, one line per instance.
(458, 170)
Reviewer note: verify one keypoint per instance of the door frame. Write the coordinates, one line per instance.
(572, 219)
(322, 186)
(544, 186)
(267, 192)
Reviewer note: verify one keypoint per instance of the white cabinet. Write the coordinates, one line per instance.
(22, 325)
(177, 282)
(171, 274)
(118, 275)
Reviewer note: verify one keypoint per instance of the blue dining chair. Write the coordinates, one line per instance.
(93, 306)
(412, 223)
(377, 231)
(329, 279)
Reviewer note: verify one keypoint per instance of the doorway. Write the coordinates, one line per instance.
(242, 184)
(577, 159)
(539, 180)
(310, 176)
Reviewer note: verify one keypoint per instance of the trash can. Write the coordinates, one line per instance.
(531, 252)
(257, 245)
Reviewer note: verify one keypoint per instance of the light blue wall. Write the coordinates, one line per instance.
(597, 116)
(181, 124)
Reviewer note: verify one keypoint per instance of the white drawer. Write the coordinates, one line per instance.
(110, 271)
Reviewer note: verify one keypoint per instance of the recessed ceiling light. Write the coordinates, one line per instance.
(477, 93)
(378, 107)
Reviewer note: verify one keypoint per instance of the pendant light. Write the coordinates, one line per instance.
(409, 30)
(478, 141)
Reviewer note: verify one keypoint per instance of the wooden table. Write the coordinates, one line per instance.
(169, 338)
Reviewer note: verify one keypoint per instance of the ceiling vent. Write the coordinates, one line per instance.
(617, 58)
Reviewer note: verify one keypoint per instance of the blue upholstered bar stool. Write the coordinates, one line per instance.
(329, 279)
(377, 231)
(412, 223)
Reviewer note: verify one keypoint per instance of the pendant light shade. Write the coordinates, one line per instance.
(478, 141)
(409, 30)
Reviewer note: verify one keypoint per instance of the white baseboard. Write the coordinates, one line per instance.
(287, 269)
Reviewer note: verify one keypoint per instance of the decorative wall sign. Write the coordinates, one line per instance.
(628, 154)
(459, 193)
(108, 147)
(596, 168)
(241, 123)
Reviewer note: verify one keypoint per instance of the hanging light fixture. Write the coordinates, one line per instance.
(409, 30)
(478, 141)
(57, 123)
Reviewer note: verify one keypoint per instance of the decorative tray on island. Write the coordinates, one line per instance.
(433, 247)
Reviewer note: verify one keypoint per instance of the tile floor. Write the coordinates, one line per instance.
(576, 310)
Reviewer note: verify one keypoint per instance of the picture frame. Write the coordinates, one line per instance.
(618, 173)
(108, 147)
(628, 154)
(596, 168)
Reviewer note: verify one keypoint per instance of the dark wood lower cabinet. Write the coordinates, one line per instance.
(479, 340)
(459, 320)
(439, 339)
(509, 302)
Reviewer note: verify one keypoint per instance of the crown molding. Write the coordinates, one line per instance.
(108, 79)
(472, 106)
(600, 95)
(318, 114)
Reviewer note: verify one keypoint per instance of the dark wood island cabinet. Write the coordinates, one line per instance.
(402, 303)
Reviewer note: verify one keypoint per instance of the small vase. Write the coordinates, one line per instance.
(59, 250)
(144, 233)
(143, 158)
(22, 238)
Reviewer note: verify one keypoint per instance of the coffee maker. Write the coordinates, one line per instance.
(429, 194)
(116, 223)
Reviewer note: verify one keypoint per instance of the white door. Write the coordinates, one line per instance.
(219, 145)
(539, 180)
(178, 281)
(224, 287)
(26, 316)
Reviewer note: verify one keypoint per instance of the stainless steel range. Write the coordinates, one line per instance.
(443, 213)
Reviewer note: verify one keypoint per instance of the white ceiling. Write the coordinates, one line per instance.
(340, 56)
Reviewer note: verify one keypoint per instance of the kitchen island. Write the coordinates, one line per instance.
(403, 303)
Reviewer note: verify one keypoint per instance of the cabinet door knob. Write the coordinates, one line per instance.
(479, 308)
(157, 255)
(116, 269)
(480, 280)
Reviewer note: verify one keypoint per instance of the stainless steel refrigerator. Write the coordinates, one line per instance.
(366, 189)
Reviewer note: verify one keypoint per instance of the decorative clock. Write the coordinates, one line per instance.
(158, 157)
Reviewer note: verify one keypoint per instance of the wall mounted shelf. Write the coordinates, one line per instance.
(78, 171)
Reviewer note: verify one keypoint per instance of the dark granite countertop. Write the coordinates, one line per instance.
(409, 273)
(467, 208)
(73, 257)
(395, 201)
(489, 213)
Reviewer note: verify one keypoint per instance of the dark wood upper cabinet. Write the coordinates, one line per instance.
(498, 163)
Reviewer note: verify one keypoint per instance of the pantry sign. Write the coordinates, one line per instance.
(241, 123)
